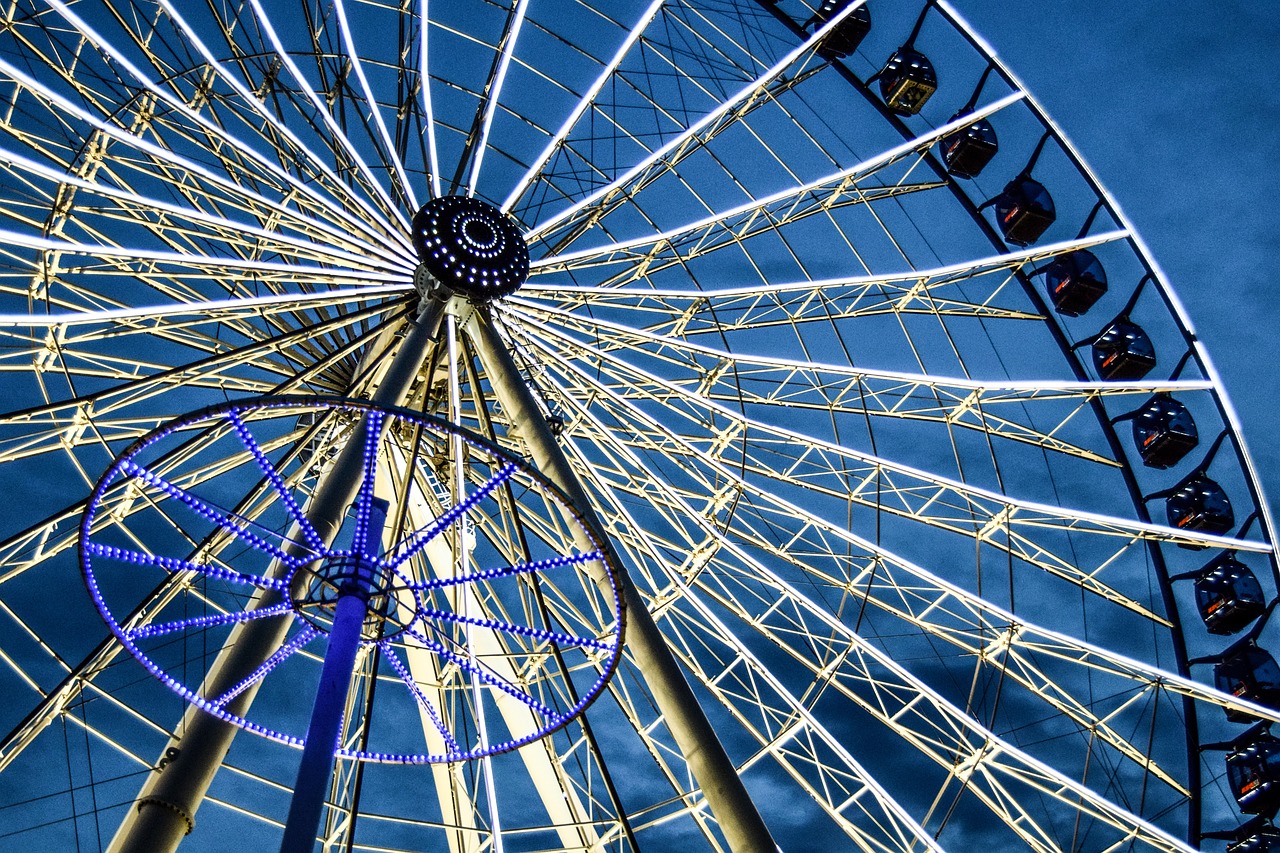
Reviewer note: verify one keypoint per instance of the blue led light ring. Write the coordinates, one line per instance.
(554, 720)
(369, 467)
(347, 558)
(281, 654)
(519, 630)
(245, 413)
(486, 676)
(384, 582)
(110, 479)
(137, 558)
(213, 514)
(167, 680)
(509, 571)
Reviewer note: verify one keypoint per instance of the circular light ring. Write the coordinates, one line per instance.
(132, 476)
(470, 247)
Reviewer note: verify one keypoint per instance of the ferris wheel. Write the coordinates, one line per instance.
(525, 426)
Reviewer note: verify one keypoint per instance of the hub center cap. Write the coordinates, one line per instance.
(391, 599)
(470, 247)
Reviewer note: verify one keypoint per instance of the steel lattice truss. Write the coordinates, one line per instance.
(865, 481)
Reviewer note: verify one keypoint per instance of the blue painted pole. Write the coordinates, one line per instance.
(316, 769)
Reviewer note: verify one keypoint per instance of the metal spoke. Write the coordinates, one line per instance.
(170, 564)
(713, 121)
(584, 104)
(492, 95)
(775, 211)
(357, 65)
(157, 629)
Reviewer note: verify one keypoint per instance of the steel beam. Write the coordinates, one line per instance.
(164, 811)
(710, 765)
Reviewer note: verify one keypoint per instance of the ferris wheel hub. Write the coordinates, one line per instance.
(392, 605)
(470, 247)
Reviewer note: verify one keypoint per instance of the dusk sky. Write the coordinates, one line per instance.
(1174, 106)
(1177, 109)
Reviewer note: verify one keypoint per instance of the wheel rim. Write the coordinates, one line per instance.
(424, 628)
(833, 442)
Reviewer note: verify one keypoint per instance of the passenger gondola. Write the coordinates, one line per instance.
(1228, 595)
(967, 151)
(1123, 351)
(1075, 281)
(1264, 839)
(845, 37)
(1249, 673)
(1164, 431)
(1024, 210)
(1253, 774)
(907, 81)
(1199, 504)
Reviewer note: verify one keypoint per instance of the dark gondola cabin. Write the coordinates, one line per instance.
(968, 151)
(1264, 840)
(1252, 674)
(907, 81)
(1123, 351)
(1076, 281)
(1024, 211)
(1228, 595)
(844, 39)
(1200, 504)
(1164, 431)
(1253, 772)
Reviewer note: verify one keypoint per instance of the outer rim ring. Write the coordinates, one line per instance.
(108, 479)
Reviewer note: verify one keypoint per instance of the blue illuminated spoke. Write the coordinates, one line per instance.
(282, 654)
(509, 571)
(170, 564)
(157, 629)
(419, 540)
(511, 628)
(277, 482)
(484, 675)
(372, 435)
(209, 513)
(407, 678)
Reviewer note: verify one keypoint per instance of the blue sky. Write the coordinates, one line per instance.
(1177, 108)
(1158, 103)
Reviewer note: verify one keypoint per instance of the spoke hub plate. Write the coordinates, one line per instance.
(470, 247)
(393, 603)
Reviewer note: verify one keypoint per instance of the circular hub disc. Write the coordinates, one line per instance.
(471, 247)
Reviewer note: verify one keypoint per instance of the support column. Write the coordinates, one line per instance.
(164, 812)
(316, 767)
(730, 803)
